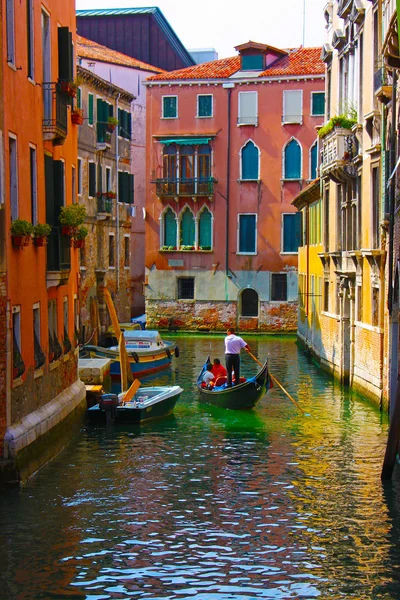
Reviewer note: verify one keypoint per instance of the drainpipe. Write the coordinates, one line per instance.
(117, 188)
(229, 87)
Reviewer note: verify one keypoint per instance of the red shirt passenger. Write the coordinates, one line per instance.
(218, 369)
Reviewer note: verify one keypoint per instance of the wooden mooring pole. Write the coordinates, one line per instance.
(393, 439)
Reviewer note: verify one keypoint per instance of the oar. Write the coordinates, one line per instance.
(132, 391)
(277, 383)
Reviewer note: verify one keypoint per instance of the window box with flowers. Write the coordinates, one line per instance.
(21, 233)
(79, 236)
(112, 123)
(69, 88)
(71, 217)
(77, 116)
(186, 248)
(41, 231)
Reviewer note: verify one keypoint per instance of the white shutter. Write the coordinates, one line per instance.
(248, 108)
(292, 106)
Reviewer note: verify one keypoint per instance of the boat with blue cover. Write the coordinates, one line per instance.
(147, 352)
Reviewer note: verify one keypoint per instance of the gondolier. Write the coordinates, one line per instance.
(233, 346)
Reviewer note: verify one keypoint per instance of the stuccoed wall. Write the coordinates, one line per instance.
(217, 302)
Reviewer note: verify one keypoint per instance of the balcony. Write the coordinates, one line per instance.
(104, 206)
(339, 148)
(55, 111)
(103, 140)
(382, 90)
(174, 188)
(58, 258)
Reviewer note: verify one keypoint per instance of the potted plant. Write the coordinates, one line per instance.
(205, 247)
(79, 236)
(77, 116)
(112, 122)
(41, 231)
(71, 216)
(69, 87)
(21, 232)
(111, 195)
(187, 247)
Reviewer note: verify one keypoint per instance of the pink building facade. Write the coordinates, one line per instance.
(229, 145)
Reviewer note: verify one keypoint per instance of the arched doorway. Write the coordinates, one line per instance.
(249, 303)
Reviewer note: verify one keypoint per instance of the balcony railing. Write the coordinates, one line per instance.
(338, 147)
(55, 111)
(185, 187)
(58, 251)
(104, 204)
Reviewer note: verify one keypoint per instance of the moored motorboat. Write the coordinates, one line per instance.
(241, 396)
(147, 403)
(147, 352)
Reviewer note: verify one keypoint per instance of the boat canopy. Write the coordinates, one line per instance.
(146, 335)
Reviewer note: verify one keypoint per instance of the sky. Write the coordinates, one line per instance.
(224, 24)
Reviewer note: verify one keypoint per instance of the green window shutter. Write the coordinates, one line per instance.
(91, 109)
(49, 189)
(79, 98)
(131, 194)
(92, 179)
(247, 233)
(123, 187)
(187, 229)
(58, 166)
(65, 72)
(250, 161)
(205, 106)
(293, 160)
(99, 179)
(129, 125)
(205, 229)
(119, 120)
(110, 110)
(169, 107)
(314, 161)
(318, 103)
(170, 228)
(291, 232)
(252, 62)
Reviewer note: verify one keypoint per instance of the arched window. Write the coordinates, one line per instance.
(170, 228)
(250, 161)
(249, 303)
(204, 162)
(313, 161)
(292, 160)
(205, 229)
(186, 162)
(187, 228)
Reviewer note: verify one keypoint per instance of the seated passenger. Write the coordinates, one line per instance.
(208, 377)
(218, 369)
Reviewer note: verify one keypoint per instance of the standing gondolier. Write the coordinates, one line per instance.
(233, 346)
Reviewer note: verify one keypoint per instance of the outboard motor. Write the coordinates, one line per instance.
(108, 403)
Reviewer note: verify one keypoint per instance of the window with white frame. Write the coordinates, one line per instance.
(13, 177)
(33, 183)
(291, 232)
(30, 33)
(317, 104)
(169, 229)
(10, 31)
(248, 108)
(292, 106)
(170, 107)
(247, 234)
(18, 363)
(92, 179)
(90, 109)
(249, 162)
(66, 341)
(73, 183)
(108, 179)
(79, 176)
(39, 355)
(204, 105)
(314, 161)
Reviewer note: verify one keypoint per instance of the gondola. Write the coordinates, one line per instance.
(242, 396)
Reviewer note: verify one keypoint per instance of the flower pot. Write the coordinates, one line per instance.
(21, 240)
(79, 243)
(40, 241)
(68, 89)
(77, 118)
(111, 128)
(66, 230)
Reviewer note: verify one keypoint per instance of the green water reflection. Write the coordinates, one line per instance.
(213, 504)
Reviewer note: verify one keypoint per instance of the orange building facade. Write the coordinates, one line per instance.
(230, 143)
(42, 399)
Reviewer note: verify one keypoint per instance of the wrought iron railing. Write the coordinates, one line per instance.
(185, 187)
(66, 342)
(58, 251)
(18, 363)
(40, 358)
(55, 110)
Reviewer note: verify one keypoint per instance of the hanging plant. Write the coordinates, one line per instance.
(77, 116)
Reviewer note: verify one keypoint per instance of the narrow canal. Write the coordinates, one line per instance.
(211, 504)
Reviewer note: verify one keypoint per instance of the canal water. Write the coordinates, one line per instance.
(211, 504)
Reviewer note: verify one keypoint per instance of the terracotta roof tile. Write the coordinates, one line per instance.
(94, 51)
(300, 61)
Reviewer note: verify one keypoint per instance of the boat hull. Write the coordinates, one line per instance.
(243, 396)
(147, 363)
(132, 413)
